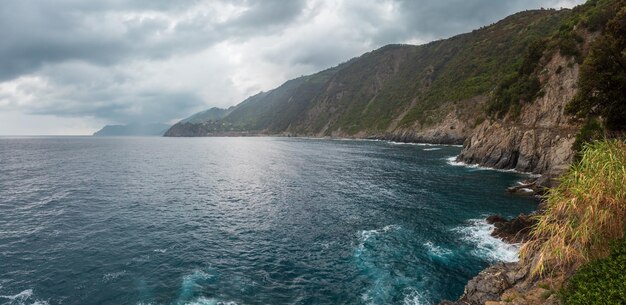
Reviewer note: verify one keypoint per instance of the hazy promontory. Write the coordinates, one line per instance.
(135, 129)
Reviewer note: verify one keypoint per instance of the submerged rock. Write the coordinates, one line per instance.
(524, 189)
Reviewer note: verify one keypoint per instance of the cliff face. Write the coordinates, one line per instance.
(540, 139)
(459, 122)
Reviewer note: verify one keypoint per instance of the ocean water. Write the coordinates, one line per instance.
(243, 221)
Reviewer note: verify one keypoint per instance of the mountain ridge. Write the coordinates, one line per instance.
(449, 91)
(366, 94)
(135, 129)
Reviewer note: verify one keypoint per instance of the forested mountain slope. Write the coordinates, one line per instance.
(502, 90)
(394, 89)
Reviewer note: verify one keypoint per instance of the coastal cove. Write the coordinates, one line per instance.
(258, 220)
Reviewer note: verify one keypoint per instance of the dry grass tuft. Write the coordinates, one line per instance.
(584, 213)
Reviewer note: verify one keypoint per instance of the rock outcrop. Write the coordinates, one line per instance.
(456, 126)
(541, 138)
(513, 231)
(508, 284)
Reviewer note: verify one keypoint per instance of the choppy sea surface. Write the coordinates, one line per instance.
(243, 221)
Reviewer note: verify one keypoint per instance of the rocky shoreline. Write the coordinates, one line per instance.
(512, 283)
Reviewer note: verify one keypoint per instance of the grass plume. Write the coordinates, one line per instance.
(584, 213)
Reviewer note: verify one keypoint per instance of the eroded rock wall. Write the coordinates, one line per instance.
(540, 139)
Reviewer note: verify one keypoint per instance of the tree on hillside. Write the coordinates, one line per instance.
(602, 81)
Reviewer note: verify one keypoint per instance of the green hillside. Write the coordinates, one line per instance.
(406, 87)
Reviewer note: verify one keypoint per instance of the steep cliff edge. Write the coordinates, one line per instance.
(540, 139)
(579, 70)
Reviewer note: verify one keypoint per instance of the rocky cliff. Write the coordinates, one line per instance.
(540, 139)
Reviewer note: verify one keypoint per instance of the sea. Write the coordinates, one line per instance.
(257, 220)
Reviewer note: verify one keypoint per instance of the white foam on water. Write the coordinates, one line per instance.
(452, 161)
(380, 289)
(113, 275)
(190, 280)
(22, 298)
(367, 234)
(415, 298)
(160, 250)
(211, 301)
(478, 232)
(191, 284)
(431, 149)
(380, 140)
(423, 144)
(436, 250)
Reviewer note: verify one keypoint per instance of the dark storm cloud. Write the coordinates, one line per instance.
(268, 12)
(122, 60)
(38, 32)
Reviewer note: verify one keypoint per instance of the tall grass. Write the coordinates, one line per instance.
(584, 213)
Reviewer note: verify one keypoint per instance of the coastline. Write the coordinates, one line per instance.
(502, 280)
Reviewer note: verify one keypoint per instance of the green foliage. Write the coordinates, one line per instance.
(487, 56)
(519, 86)
(569, 43)
(592, 130)
(583, 213)
(602, 80)
(600, 282)
(513, 90)
(595, 14)
(402, 85)
(523, 85)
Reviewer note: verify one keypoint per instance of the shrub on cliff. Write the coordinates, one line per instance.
(590, 131)
(584, 213)
(600, 282)
(602, 80)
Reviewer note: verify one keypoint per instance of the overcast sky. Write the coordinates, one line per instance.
(71, 66)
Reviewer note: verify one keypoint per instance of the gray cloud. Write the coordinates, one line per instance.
(157, 60)
(267, 13)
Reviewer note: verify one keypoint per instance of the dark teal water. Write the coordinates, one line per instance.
(242, 221)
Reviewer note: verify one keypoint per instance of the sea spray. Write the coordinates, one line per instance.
(478, 233)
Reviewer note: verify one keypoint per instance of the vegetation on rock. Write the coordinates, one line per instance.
(396, 87)
(602, 82)
(600, 282)
(584, 213)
